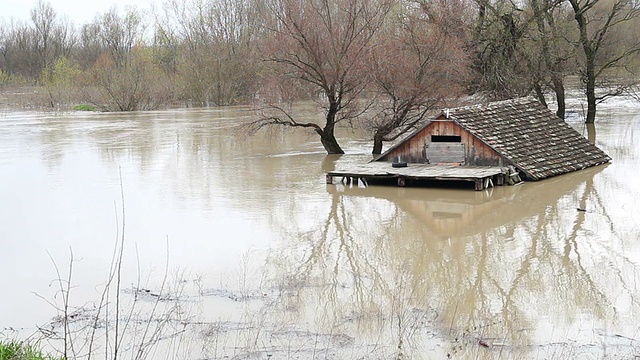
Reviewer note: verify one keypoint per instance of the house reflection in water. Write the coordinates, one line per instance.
(500, 264)
(451, 212)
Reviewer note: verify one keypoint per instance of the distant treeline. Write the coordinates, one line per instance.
(407, 55)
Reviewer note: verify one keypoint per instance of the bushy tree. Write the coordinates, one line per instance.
(500, 62)
(59, 81)
(137, 84)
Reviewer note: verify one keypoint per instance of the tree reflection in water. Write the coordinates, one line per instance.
(377, 272)
(423, 272)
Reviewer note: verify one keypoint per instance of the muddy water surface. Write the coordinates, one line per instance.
(261, 259)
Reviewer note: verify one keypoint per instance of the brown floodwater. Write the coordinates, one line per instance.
(261, 259)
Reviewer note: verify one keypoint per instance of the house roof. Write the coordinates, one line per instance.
(529, 135)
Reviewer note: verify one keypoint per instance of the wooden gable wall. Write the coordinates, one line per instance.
(412, 150)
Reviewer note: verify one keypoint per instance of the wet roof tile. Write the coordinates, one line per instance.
(529, 135)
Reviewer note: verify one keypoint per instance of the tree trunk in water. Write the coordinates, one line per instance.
(591, 104)
(332, 147)
(540, 93)
(590, 89)
(590, 59)
(327, 135)
(377, 145)
(330, 143)
(558, 87)
(591, 133)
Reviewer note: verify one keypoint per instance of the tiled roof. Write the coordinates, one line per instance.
(529, 135)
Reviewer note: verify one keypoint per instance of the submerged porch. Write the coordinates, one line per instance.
(404, 174)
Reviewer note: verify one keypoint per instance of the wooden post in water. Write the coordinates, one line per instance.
(479, 184)
(401, 182)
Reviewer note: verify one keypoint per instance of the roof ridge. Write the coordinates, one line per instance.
(524, 133)
(518, 101)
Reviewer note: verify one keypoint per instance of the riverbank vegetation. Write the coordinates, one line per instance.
(17, 350)
(382, 65)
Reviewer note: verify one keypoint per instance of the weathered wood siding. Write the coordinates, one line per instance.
(413, 149)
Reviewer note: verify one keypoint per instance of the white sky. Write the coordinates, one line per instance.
(78, 11)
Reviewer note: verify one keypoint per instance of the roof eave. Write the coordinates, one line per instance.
(414, 133)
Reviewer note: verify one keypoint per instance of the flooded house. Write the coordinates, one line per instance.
(489, 144)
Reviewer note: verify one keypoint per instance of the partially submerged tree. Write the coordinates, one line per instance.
(134, 85)
(550, 50)
(524, 47)
(322, 44)
(417, 63)
(597, 20)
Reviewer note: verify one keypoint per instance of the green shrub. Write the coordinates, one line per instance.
(17, 350)
(84, 107)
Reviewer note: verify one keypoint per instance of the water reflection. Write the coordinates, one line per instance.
(543, 269)
(513, 267)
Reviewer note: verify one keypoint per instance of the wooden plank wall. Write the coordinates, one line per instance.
(476, 152)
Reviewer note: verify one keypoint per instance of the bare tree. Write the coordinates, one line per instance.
(18, 51)
(322, 44)
(125, 74)
(216, 60)
(417, 63)
(28, 49)
(166, 47)
(53, 37)
(119, 33)
(597, 20)
(89, 45)
(550, 49)
(136, 85)
(4, 49)
(43, 17)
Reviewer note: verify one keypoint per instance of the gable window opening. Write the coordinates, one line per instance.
(445, 138)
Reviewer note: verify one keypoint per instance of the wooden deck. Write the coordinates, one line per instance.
(482, 176)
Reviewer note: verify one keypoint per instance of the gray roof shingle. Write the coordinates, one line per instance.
(529, 135)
